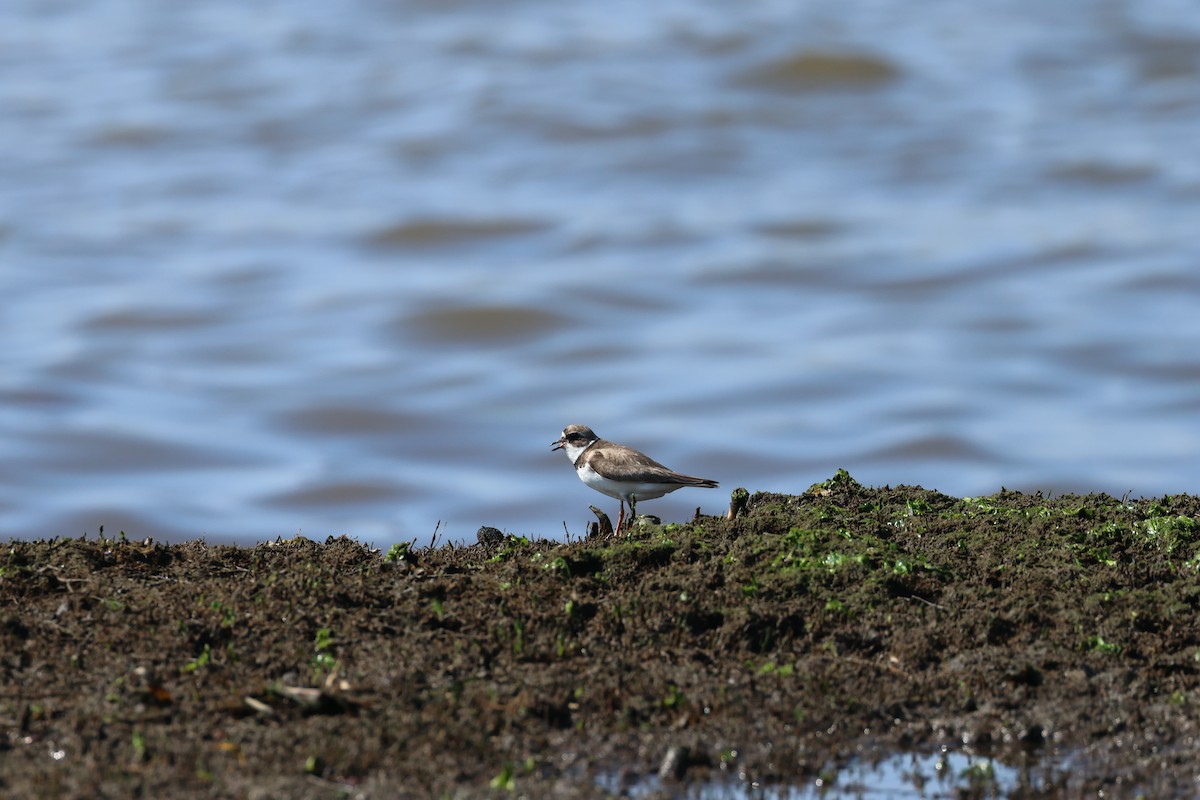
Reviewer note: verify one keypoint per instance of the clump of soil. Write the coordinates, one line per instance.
(1058, 636)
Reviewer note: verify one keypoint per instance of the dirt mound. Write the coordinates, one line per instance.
(1058, 636)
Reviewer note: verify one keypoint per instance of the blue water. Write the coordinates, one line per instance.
(350, 268)
(941, 775)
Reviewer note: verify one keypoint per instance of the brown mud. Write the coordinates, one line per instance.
(1054, 640)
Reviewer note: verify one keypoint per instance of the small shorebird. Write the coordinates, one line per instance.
(619, 471)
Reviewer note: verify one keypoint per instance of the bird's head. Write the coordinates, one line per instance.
(575, 439)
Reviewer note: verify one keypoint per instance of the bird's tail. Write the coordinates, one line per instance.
(689, 480)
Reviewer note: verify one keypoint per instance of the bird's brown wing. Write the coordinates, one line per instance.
(620, 463)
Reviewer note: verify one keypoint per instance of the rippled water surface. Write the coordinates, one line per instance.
(350, 268)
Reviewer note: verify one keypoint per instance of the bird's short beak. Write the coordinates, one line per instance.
(558, 445)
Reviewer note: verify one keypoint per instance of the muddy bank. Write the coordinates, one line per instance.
(1057, 636)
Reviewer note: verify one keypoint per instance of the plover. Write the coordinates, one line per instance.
(619, 471)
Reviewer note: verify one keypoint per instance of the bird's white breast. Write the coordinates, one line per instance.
(623, 490)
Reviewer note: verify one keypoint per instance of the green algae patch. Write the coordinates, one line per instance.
(780, 644)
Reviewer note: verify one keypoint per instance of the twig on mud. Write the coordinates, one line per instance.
(604, 526)
(938, 606)
(259, 706)
(868, 662)
(342, 786)
(60, 579)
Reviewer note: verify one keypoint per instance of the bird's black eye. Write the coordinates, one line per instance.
(574, 437)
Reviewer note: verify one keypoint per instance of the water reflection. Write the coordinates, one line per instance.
(902, 776)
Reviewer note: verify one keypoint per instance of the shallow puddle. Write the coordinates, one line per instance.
(903, 776)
